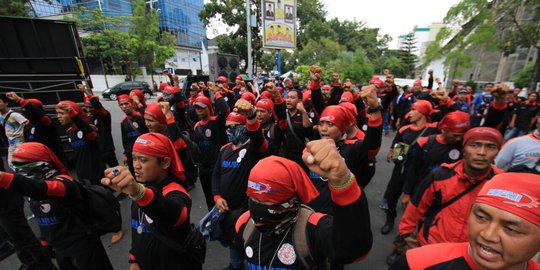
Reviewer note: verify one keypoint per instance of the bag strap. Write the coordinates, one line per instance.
(6, 118)
(418, 137)
(290, 126)
(433, 211)
(300, 238)
(248, 230)
(131, 124)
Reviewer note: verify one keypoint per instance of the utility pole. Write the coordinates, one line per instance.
(248, 27)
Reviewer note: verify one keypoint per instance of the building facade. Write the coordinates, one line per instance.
(178, 17)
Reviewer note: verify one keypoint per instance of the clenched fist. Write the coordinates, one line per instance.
(243, 107)
(323, 158)
(120, 179)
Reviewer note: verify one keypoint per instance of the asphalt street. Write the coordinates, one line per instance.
(217, 256)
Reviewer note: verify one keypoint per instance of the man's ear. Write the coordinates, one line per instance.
(166, 163)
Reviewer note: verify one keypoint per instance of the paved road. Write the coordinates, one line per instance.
(217, 256)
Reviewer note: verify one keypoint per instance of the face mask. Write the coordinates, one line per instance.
(237, 134)
(39, 170)
(272, 219)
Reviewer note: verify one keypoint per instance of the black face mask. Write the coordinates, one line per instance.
(272, 219)
(39, 170)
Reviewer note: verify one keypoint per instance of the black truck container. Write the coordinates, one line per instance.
(42, 59)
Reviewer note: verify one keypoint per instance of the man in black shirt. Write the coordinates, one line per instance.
(132, 126)
(246, 147)
(101, 119)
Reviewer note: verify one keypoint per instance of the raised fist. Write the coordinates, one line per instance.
(323, 158)
(243, 107)
(369, 94)
(315, 72)
(13, 96)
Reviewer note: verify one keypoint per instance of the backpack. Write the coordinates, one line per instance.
(102, 209)
(299, 238)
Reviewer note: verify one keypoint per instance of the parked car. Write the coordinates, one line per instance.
(125, 87)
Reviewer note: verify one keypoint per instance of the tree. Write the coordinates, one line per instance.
(524, 77)
(488, 25)
(122, 41)
(520, 31)
(319, 52)
(396, 66)
(14, 8)
(233, 14)
(407, 55)
(149, 46)
(105, 40)
(361, 70)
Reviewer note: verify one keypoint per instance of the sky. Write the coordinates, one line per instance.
(393, 17)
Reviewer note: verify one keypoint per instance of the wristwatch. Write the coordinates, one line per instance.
(374, 110)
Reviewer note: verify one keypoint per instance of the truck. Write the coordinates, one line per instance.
(42, 59)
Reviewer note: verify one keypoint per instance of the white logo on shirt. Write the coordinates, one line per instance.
(286, 254)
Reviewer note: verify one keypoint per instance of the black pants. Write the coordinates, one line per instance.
(109, 158)
(206, 183)
(394, 190)
(14, 227)
(95, 258)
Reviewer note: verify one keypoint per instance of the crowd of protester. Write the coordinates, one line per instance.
(283, 170)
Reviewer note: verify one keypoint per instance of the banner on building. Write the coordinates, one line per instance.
(278, 21)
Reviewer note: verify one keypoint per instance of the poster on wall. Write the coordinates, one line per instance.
(278, 21)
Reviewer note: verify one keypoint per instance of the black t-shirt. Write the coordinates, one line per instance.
(525, 112)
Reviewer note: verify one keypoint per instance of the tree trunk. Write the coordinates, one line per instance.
(536, 74)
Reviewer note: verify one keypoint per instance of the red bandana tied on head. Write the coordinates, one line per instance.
(204, 102)
(516, 193)
(337, 115)
(249, 97)
(33, 151)
(376, 81)
(483, 134)
(424, 107)
(347, 97)
(265, 104)
(286, 180)
(170, 89)
(140, 95)
(75, 107)
(35, 102)
(154, 110)
(162, 86)
(236, 117)
(417, 82)
(159, 145)
(457, 122)
(351, 109)
(124, 98)
(266, 94)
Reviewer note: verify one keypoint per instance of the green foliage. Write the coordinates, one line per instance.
(361, 70)
(303, 71)
(321, 52)
(396, 66)
(233, 14)
(122, 41)
(524, 77)
(14, 8)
